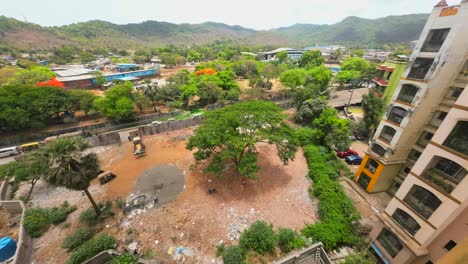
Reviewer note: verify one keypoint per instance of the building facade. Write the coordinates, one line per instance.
(419, 153)
(387, 78)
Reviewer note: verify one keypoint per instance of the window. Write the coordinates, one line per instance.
(455, 92)
(387, 133)
(390, 242)
(422, 201)
(441, 116)
(424, 139)
(371, 165)
(363, 180)
(458, 138)
(420, 68)
(406, 170)
(414, 154)
(435, 39)
(450, 169)
(377, 149)
(406, 221)
(396, 114)
(450, 245)
(407, 93)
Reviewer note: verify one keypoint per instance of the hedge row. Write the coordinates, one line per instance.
(336, 210)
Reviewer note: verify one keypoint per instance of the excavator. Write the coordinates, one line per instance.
(138, 146)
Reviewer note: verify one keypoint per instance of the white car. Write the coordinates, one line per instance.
(155, 123)
(6, 152)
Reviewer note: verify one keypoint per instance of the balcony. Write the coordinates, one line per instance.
(396, 114)
(458, 138)
(435, 39)
(436, 177)
(380, 81)
(420, 68)
(407, 93)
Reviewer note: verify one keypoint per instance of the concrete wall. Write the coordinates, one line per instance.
(105, 139)
(308, 255)
(5, 190)
(169, 126)
(24, 245)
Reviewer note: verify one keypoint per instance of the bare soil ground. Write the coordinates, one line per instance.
(196, 219)
(9, 224)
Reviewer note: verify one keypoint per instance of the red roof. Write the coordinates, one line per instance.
(380, 81)
(386, 68)
(441, 3)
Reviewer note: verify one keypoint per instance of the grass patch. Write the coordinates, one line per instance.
(92, 247)
(90, 218)
(38, 220)
(77, 239)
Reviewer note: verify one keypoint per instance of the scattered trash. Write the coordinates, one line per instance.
(133, 246)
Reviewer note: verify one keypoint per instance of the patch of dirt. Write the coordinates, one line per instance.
(196, 220)
(9, 224)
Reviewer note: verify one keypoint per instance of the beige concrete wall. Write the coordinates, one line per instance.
(386, 178)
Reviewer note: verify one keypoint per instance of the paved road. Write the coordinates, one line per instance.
(6, 160)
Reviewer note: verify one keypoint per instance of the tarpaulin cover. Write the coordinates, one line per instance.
(7, 248)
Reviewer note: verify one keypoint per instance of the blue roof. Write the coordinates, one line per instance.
(7, 248)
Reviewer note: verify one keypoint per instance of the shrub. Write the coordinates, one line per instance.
(260, 237)
(58, 215)
(36, 221)
(360, 258)
(220, 249)
(77, 239)
(289, 240)
(125, 259)
(92, 247)
(90, 218)
(337, 212)
(233, 255)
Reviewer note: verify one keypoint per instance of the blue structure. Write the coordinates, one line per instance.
(118, 76)
(125, 67)
(7, 248)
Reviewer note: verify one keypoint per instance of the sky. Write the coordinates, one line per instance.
(256, 14)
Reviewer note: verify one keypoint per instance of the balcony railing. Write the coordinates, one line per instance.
(386, 137)
(435, 177)
(405, 98)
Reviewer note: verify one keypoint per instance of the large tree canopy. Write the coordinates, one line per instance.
(230, 134)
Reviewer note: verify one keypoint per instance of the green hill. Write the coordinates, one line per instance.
(352, 30)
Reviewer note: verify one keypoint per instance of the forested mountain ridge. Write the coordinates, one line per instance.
(352, 30)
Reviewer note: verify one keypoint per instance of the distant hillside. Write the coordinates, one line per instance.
(352, 30)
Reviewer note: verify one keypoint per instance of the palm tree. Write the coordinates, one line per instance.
(150, 90)
(71, 167)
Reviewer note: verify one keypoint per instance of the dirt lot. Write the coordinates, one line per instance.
(196, 220)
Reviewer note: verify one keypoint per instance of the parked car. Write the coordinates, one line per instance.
(11, 151)
(358, 134)
(344, 154)
(353, 160)
(154, 123)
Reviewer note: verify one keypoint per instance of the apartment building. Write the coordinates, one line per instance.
(387, 78)
(419, 153)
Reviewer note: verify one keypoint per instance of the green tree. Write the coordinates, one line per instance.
(209, 90)
(141, 100)
(193, 55)
(63, 55)
(293, 78)
(187, 92)
(168, 59)
(259, 237)
(331, 130)
(355, 64)
(359, 258)
(270, 71)
(233, 255)
(320, 75)
(150, 90)
(31, 76)
(345, 76)
(81, 100)
(100, 78)
(374, 108)
(87, 57)
(117, 102)
(301, 94)
(69, 166)
(310, 110)
(358, 53)
(230, 134)
(310, 59)
(282, 56)
(182, 77)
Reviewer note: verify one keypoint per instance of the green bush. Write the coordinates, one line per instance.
(260, 237)
(58, 215)
(92, 247)
(289, 240)
(337, 212)
(90, 218)
(77, 239)
(359, 258)
(233, 255)
(36, 221)
(125, 259)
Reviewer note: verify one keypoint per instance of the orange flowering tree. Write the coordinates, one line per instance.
(206, 71)
(52, 82)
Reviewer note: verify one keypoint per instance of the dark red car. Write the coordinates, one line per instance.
(344, 154)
